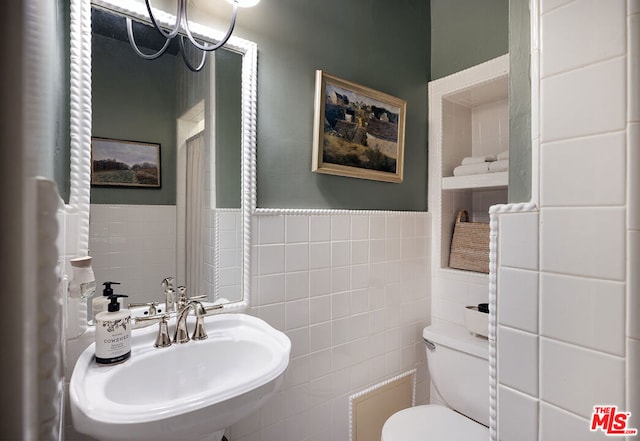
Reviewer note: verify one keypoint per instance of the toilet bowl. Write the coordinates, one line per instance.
(432, 422)
(458, 363)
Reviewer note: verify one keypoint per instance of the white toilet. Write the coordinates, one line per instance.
(459, 366)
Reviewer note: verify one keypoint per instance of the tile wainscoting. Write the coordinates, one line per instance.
(352, 292)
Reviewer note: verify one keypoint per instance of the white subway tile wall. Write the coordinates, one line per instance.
(567, 111)
(633, 215)
(517, 415)
(136, 244)
(586, 169)
(559, 425)
(352, 292)
(587, 242)
(571, 377)
(548, 5)
(452, 293)
(599, 303)
(518, 360)
(582, 33)
(580, 303)
(633, 165)
(519, 309)
(229, 255)
(633, 395)
(519, 241)
(633, 42)
(633, 286)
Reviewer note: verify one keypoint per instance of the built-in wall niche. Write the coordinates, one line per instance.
(477, 203)
(469, 117)
(475, 122)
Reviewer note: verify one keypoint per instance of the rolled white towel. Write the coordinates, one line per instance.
(471, 169)
(502, 155)
(499, 166)
(478, 159)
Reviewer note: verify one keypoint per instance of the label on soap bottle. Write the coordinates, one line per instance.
(113, 338)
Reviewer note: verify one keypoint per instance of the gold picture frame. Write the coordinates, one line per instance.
(118, 163)
(358, 131)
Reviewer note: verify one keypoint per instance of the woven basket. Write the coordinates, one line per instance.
(470, 245)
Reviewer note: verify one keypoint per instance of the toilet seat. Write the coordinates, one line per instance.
(432, 422)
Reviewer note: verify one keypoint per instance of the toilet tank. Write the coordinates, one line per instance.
(459, 369)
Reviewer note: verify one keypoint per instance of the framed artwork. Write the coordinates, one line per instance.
(121, 163)
(358, 132)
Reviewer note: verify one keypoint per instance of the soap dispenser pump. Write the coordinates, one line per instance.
(99, 304)
(113, 333)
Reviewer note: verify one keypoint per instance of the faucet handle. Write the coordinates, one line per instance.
(167, 283)
(199, 332)
(182, 299)
(163, 339)
(169, 294)
(181, 335)
(209, 309)
(153, 307)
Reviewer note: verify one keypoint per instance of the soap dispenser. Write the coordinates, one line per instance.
(113, 333)
(99, 304)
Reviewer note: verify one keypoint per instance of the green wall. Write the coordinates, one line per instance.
(229, 139)
(467, 32)
(376, 43)
(520, 101)
(135, 99)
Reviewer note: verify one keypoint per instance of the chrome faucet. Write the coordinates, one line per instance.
(182, 333)
(181, 298)
(169, 295)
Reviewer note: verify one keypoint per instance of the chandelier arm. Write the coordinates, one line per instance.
(210, 48)
(182, 8)
(132, 41)
(186, 60)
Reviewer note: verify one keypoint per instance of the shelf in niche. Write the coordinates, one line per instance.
(486, 180)
(470, 275)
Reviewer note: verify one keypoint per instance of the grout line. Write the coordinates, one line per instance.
(542, 142)
(549, 403)
(584, 137)
(556, 8)
(558, 273)
(582, 66)
(578, 346)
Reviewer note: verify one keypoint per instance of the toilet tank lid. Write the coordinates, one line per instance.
(457, 337)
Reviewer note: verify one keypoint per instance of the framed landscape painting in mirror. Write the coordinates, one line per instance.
(125, 163)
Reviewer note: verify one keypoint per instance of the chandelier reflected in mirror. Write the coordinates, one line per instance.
(181, 29)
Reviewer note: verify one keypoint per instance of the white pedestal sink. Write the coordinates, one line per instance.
(190, 391)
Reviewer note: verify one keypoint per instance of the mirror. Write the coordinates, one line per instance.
(195, 226)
